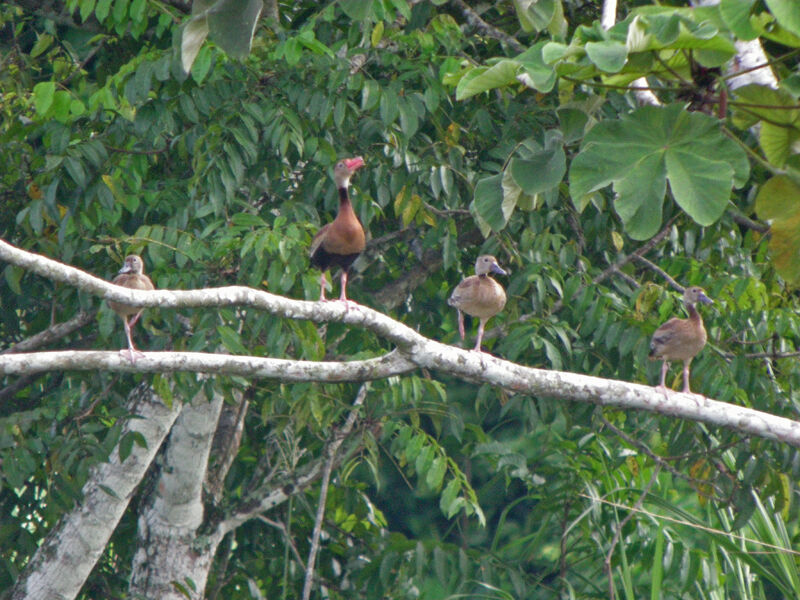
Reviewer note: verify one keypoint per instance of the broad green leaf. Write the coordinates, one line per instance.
(540, 172)
(43, 96)
(535, 15)
(536, 73)
(609, 56)
(778, 201)
(736, 14)
(637, 151)
(787, 13)
(498, 75)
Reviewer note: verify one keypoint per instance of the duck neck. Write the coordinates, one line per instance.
(344, 200)
(693, 314)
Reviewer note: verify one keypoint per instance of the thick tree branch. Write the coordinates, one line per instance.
(413, 348)
(393, 363)
(63, 562)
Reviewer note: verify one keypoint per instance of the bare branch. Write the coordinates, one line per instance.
(413, 349)
(474, 19)
(52, 334)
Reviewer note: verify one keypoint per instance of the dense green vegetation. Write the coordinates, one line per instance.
(516, 137)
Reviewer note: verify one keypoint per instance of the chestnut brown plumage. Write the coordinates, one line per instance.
(339, 243)
(131, 275)
(479, 296)
(681, 339)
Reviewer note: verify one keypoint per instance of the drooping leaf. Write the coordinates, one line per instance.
(498, 75)
(778, 201)
(636, 152)
(535, 15)
(488, 200)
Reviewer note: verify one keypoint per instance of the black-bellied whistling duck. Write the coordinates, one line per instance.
(131, 275)
(479, 296)
(339, 243)
(681, 339)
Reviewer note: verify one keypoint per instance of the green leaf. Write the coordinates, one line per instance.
(535, 15)
(636, 153)
(786, 13)
(43, 94)
(482, 79)
(194, 34)
(357, 10)
(540, 172)
(537, 74)
(436, 472)
(232, 23)
(736, 15)
(488, 199)
(778, 201)
(609, 56)
(231, 339)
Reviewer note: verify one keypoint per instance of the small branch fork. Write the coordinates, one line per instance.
(413, 351)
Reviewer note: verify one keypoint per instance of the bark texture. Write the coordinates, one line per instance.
(61, 565)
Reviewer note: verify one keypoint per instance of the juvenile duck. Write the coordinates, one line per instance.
(681, 339)
(339, 243)
(479, 296)
(131, 275)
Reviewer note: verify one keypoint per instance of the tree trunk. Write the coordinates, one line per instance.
(61, 565)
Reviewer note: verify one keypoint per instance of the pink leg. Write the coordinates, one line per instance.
(686, 389)
(461, 324)
(132, 352)
(477, 347)
(135, 318)
(322, 284)
(662, 386)
(343, 295)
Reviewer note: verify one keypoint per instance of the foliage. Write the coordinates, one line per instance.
(222, 175)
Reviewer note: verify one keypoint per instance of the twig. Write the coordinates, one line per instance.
(284, 530)
(663, 462)
(477, 22)
(52, 333)
(654, 267)
(323, 493)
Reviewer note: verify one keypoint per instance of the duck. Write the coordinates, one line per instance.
(340, 242)
(681, 339)
(131, 275)
(479, 296)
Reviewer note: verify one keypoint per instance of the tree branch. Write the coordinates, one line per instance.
(474, 19)
(52, 334)
(413, 349)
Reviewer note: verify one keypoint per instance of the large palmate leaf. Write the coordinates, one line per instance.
(778, 201)
(640, 151)
(230, 23)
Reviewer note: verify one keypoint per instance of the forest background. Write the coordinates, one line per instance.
(606, 155)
